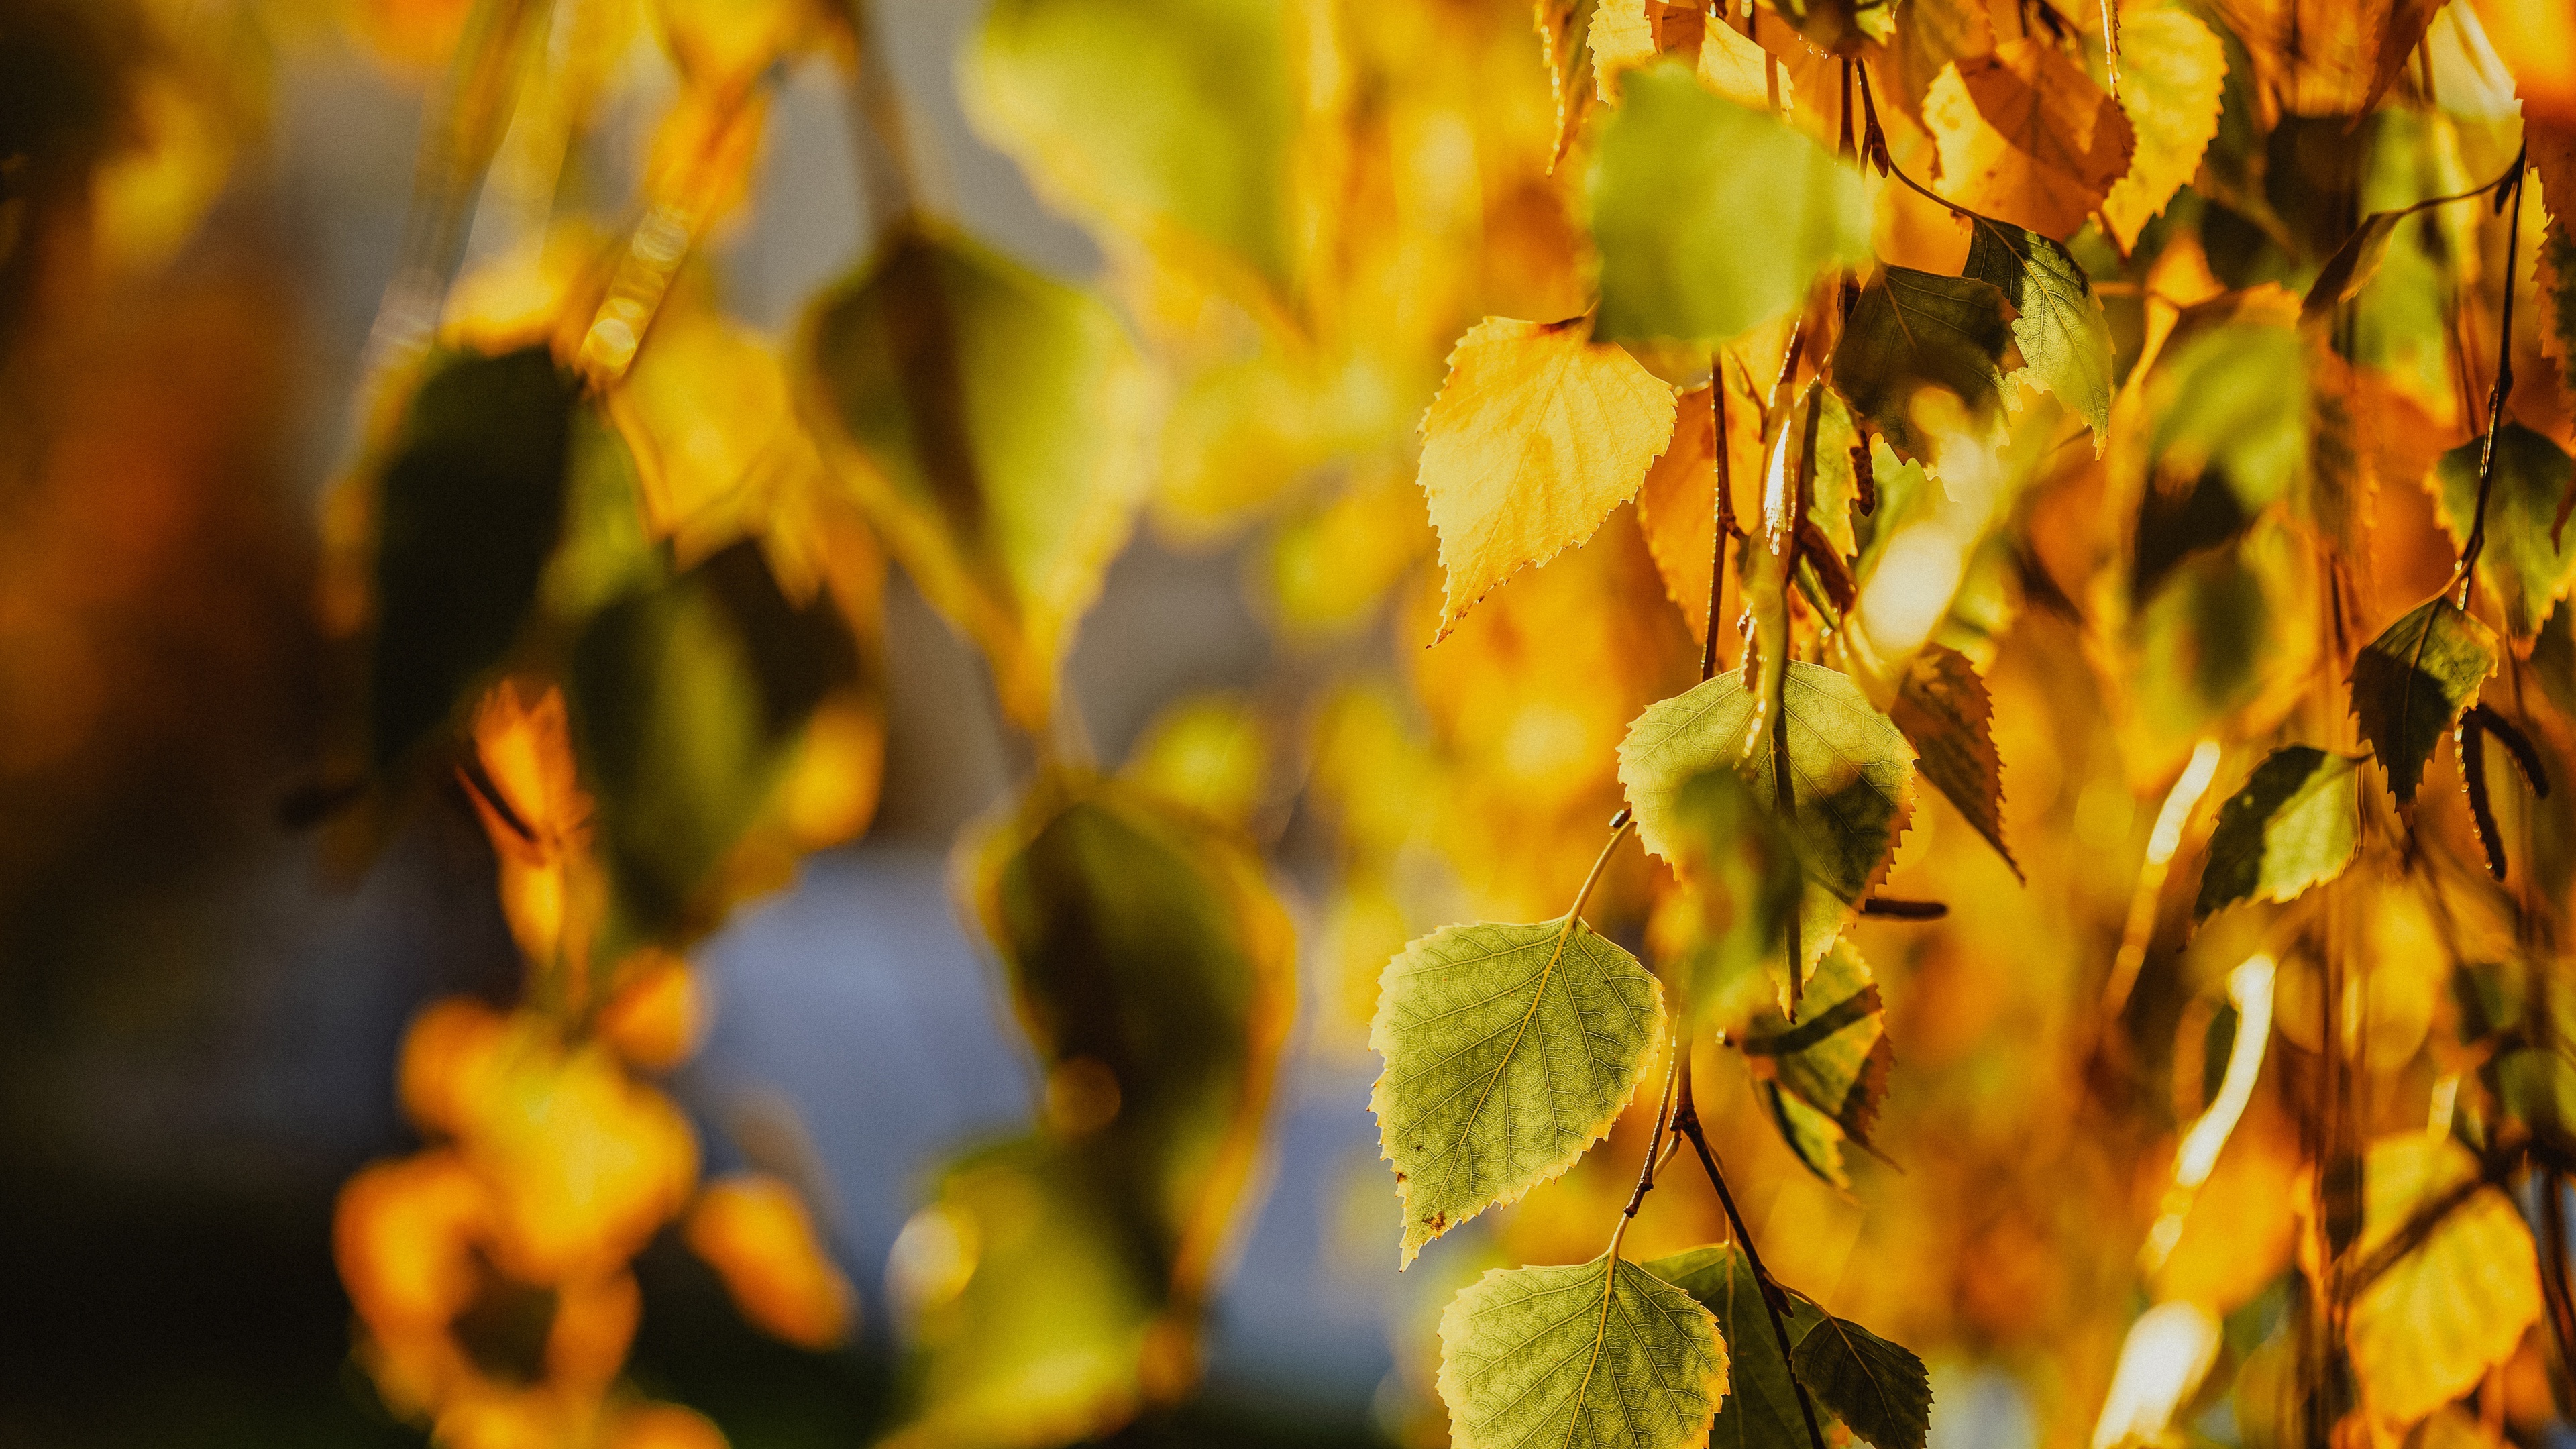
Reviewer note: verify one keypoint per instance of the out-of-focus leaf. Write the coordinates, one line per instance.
(1851, 776)
(1912, 330)
(1537, 435)
(2432, 1326)
(2026, 135)
(1841, 26)
(2527, 570)
(1601, 1353)
(687, 697)
(1761, 1407)
(2353, 264)
(724, 44)
(1946, 714)
(2296, 824)
(1734, 66)
(1743, 876)
(1171, 120)
(470, 504)
(2172, 73)
(1879, 1389)
(1677, 171)
(756, 1233)
(2411, 682)
(2231, 398)
(2065, 338)
(1207, 751)
(2396, 30)
(2225, 640)
(1510, 1049)
(1834, 1055)
(990, 422)
(1056, 1282)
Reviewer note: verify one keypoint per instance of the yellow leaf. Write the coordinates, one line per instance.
(2172, 72)
(1537, 435)
(1732, 65)
(726, 44)
(2430, 1327)
(1677, 507)
(657, 1015)
(2025, 135)
(1622, 38)
(755, 1232)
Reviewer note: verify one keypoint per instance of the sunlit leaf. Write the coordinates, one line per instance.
(1761, 1407)
(2455, 1306)
(1912, 330)
(2231, 398)
(1878, 1388)
(1851, 779)
(1171, 120)
(2353, 264)
(2528, 569)
(1600, 1353)
(756, 1233)
(1815, 1139)
(1734, 66)
(990, 422)
(1946, 714)
(1538, 434)
(1677, 171)
(2411, 682)
(2295, 824)
(2065, 338)
(2026, 135)
(470, 503)
(1834, 1055)
(1509, 1051)
(2172, 71)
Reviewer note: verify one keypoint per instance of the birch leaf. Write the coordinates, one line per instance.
(1677, 173)
(2294, 825)
(1537, 435)
(2526, 571)
(2427, 1330)
(1509, 1051)
(2025, 134)
(2065, 337)
(1911, 330)
(1834, 1056)
(1877, 1388)
(2411, 682)
(1761, 1407)
(2173, 71)
(1851, 779)
(1947, 715)
(1603, 1354)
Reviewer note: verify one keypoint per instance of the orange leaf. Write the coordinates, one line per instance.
(2175, 70)
(1537, 435)
(754, 1231)
(1677, 507)
(2025, 135)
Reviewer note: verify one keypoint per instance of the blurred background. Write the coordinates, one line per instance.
(199, 1017)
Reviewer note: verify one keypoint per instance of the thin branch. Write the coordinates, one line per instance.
(1686, 1122)
(2499, 392)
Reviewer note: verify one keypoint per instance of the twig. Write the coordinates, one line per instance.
(1686, 1122)
(2501, 390)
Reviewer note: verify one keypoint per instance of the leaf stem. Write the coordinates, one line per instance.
(1686, 1123)
(2501, 389)
(1676, 1048)
(886, 176)
(1625, 822)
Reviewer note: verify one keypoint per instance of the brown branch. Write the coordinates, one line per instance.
(2501, 389)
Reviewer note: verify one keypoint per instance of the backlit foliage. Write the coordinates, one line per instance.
(2044, 519)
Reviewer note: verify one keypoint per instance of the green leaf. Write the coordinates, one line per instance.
(470, 503)
(2353, 264)
(1676, 174)
(1761, 1407)
(990, 421)
(1170, 120)
(2232, 397)
(2411, 682)
(1602, 1353)
(1057, 1279)
(1912, 330)
(1744, 879)
(1835, 1056)
(1850, 768)
(1815, 1139)
(1948, 717)
(1509, 1051)
(1877, 1388)
(2065, 336)
(2527, 572)
(2294, 825)
(687, 694)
